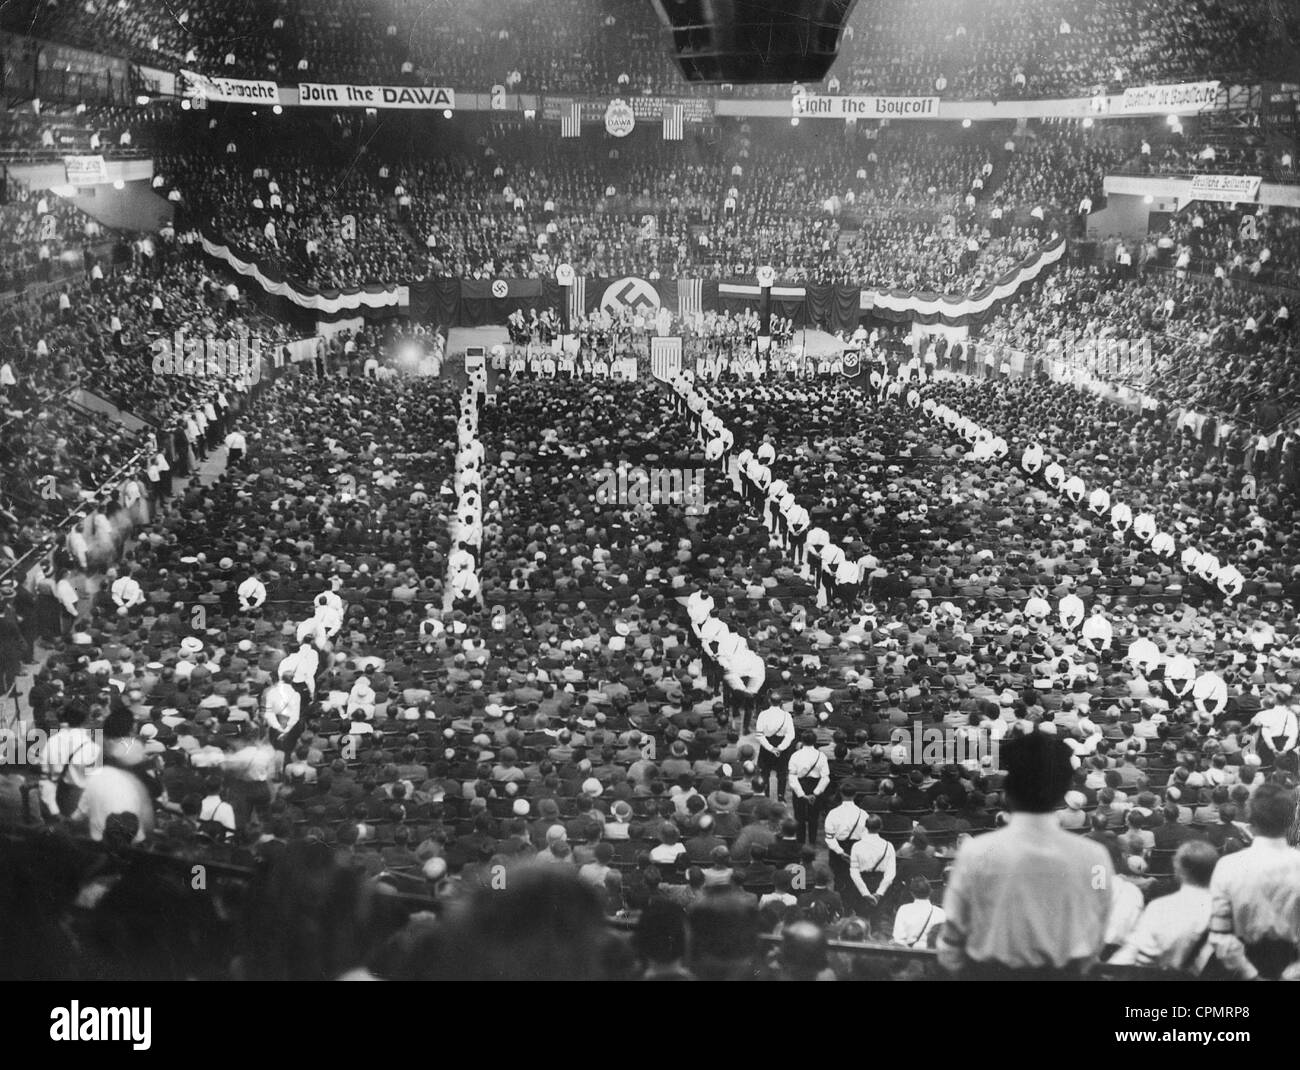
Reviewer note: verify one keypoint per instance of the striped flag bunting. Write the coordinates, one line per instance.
(571, 120)
(690, 297)
(577, 298)
(673, 122)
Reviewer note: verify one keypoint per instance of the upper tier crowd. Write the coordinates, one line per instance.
(950, 48)
(964, 208)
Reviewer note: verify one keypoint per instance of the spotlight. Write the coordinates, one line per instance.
(794, 120)
(1087, 123)
(119, 185)
(1148, 199)
(965, 123)
(142, 100)
(186, 105)
(446, 114)
(277, 110)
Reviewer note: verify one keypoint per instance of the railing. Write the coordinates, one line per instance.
(1286, 176)
(46, 155)
(1281, 283)
(45, 549)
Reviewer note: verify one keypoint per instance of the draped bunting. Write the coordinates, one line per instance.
(902, 305)
(267, 274)
(476, 302)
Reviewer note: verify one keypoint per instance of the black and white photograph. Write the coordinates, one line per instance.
(652, 490)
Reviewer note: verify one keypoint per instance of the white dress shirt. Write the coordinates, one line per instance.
(1168, 932)
(774, 721)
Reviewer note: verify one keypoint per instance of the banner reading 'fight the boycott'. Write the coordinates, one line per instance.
(866, 107)
(228, 90)
(1189, 96)
(1227, 188)
(410, 97)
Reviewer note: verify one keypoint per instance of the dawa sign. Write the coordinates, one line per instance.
(620, 119)
(410, 97)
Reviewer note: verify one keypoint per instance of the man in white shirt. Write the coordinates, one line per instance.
(282, 712)
(775, 730)
(68, 760)
(1255, 894)
(845, 825)
(915, 921)
(301, 667)
(809, 774)
(1173, 932)
(872, 866)
(115, 789)
(1030, 900)
(236, 444)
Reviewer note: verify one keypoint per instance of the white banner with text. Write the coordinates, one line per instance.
(1227, 188)
(409, 97)
(1189, 96)
(865, 107)
(228, 90)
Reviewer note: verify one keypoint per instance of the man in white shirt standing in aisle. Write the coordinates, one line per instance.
(810, 775)
(282, 712)
(301, 667)
(845, 825)
(236, 444)
(775, 730)
(744, 674)
(1029, 901)
(872, 867)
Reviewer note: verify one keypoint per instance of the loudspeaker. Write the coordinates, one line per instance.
(754, 41)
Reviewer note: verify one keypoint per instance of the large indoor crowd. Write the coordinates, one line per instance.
(957, 650)
(951, 48)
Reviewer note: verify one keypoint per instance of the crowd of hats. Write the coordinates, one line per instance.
(1220, 350)
(544, 755)
(950, 48)
(928, 210)
(984, 444)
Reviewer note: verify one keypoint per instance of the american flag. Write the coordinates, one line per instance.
(672, 122)
(690, 297)
(571, 120)
(577, 298)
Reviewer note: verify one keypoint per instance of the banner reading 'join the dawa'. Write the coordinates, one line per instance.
(410, 97)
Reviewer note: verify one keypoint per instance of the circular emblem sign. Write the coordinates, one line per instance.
(499, 288)
(619, 118)
(564, 275)
(630, 292)
(766, 276)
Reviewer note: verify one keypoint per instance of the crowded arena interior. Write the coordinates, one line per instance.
(532, 490)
